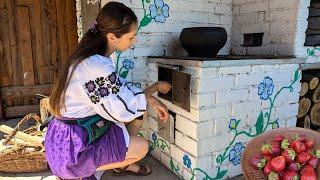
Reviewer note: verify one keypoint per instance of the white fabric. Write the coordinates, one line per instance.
(95, 88)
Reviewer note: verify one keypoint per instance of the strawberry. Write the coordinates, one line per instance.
(306, 168)
(309, 144)
(299, 137)
(303, 157)
(313, 161)
(267, 169)
(267, 157)
(266, 149)
(285, 143)
(275, 149)
(309, 175)
(290, 175)
(293, 166)
(278, 138)
(278, 163)
(289, 154)
(273, 176)
(258, 162)
(303, 147)
(297, 146)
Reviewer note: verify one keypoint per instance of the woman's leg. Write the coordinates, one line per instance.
(138, 148)
(134, 126)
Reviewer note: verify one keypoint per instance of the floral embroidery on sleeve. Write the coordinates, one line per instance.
(102, 86)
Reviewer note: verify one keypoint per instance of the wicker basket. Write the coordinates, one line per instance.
(17, 156)
(253, 148)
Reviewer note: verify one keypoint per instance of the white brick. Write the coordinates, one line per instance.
(234, 70)
(186, 126)
(245, 107)
(210, 85)
(291, 122)
(232, 96)
(264, 68)
(202, 100)
(187, 144)
(287, 111)
(213, 144)
(247, 80)
(254, 7)
(201, 73)
(283, 4)
(215, 112)
(177, 154)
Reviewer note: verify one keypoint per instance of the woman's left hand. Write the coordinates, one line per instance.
(159, 108)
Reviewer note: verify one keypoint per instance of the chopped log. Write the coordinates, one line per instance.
(312, 80)
(315, 115)
(44, 109)
(34, 140)
(316, 95)
(304, 106)
(307, 122)
(304, 88)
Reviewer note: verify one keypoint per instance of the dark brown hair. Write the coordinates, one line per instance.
(113, 18)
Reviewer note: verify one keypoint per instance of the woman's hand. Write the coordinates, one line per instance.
(159, 108)
(163, 87)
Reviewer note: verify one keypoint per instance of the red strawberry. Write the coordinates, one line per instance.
(293, 166)
(303, 157)
(303, 147)
(273, 176)
(299, 137)
(266, 149)
(275, 149)
(278, 163)
(306, 168)
(297, 146)
(267, 169)
(309, 144)
(313, 162)
(278, 138)
(258, 162)
(285, 143)
(289, 154)
(290, 175)
(309, 175)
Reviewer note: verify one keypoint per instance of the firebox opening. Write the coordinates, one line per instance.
(165, 74)
(252, 40)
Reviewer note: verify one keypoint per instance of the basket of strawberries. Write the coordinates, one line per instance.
(283, 154)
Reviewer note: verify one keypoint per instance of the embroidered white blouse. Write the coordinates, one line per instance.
(95, 88)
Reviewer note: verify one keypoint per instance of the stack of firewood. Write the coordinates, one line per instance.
(309, 103)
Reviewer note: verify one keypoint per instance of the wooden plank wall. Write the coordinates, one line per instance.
(36, 38)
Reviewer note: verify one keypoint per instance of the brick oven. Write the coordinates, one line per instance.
(218, 104)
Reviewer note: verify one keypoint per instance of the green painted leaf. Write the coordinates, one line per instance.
(124, 74)
(148, 1)
(221, 174)
(145, 21)
(296, 75)
(259, 124)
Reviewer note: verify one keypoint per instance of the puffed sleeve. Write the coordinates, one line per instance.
(111, 97)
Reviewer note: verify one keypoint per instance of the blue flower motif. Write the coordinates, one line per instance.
(90, 86)
(233, 124)
(187, 161)
(236, 153)
(154, 137)
(103, 91)
(265, 88)
(128, 64)
(275, 125)
(159, 11)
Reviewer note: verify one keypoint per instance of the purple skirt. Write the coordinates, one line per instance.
(70, 157)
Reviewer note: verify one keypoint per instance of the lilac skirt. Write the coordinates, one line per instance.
(70, 157)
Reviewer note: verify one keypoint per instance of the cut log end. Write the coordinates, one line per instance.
(315, 115)
(304, 106)
(304, 88)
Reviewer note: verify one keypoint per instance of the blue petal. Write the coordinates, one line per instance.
(236, 160)
(270, 89)
(165, 10)
(153, 11)
(261, 88)
(232, 154)
(159, 3)
(268, 81)
(237, 147)
(264, 95)
(160, 18)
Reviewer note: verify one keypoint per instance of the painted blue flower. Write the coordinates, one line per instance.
(159, 11)
(187, 161)
(265, 88)
(128, 64)
(233, 124)
(154, 137)
(236, 153)
(275, 125)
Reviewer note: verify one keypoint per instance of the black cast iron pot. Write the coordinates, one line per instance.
(203, 41)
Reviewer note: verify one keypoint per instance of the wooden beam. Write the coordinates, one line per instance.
(12, 92)
(19, 111)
